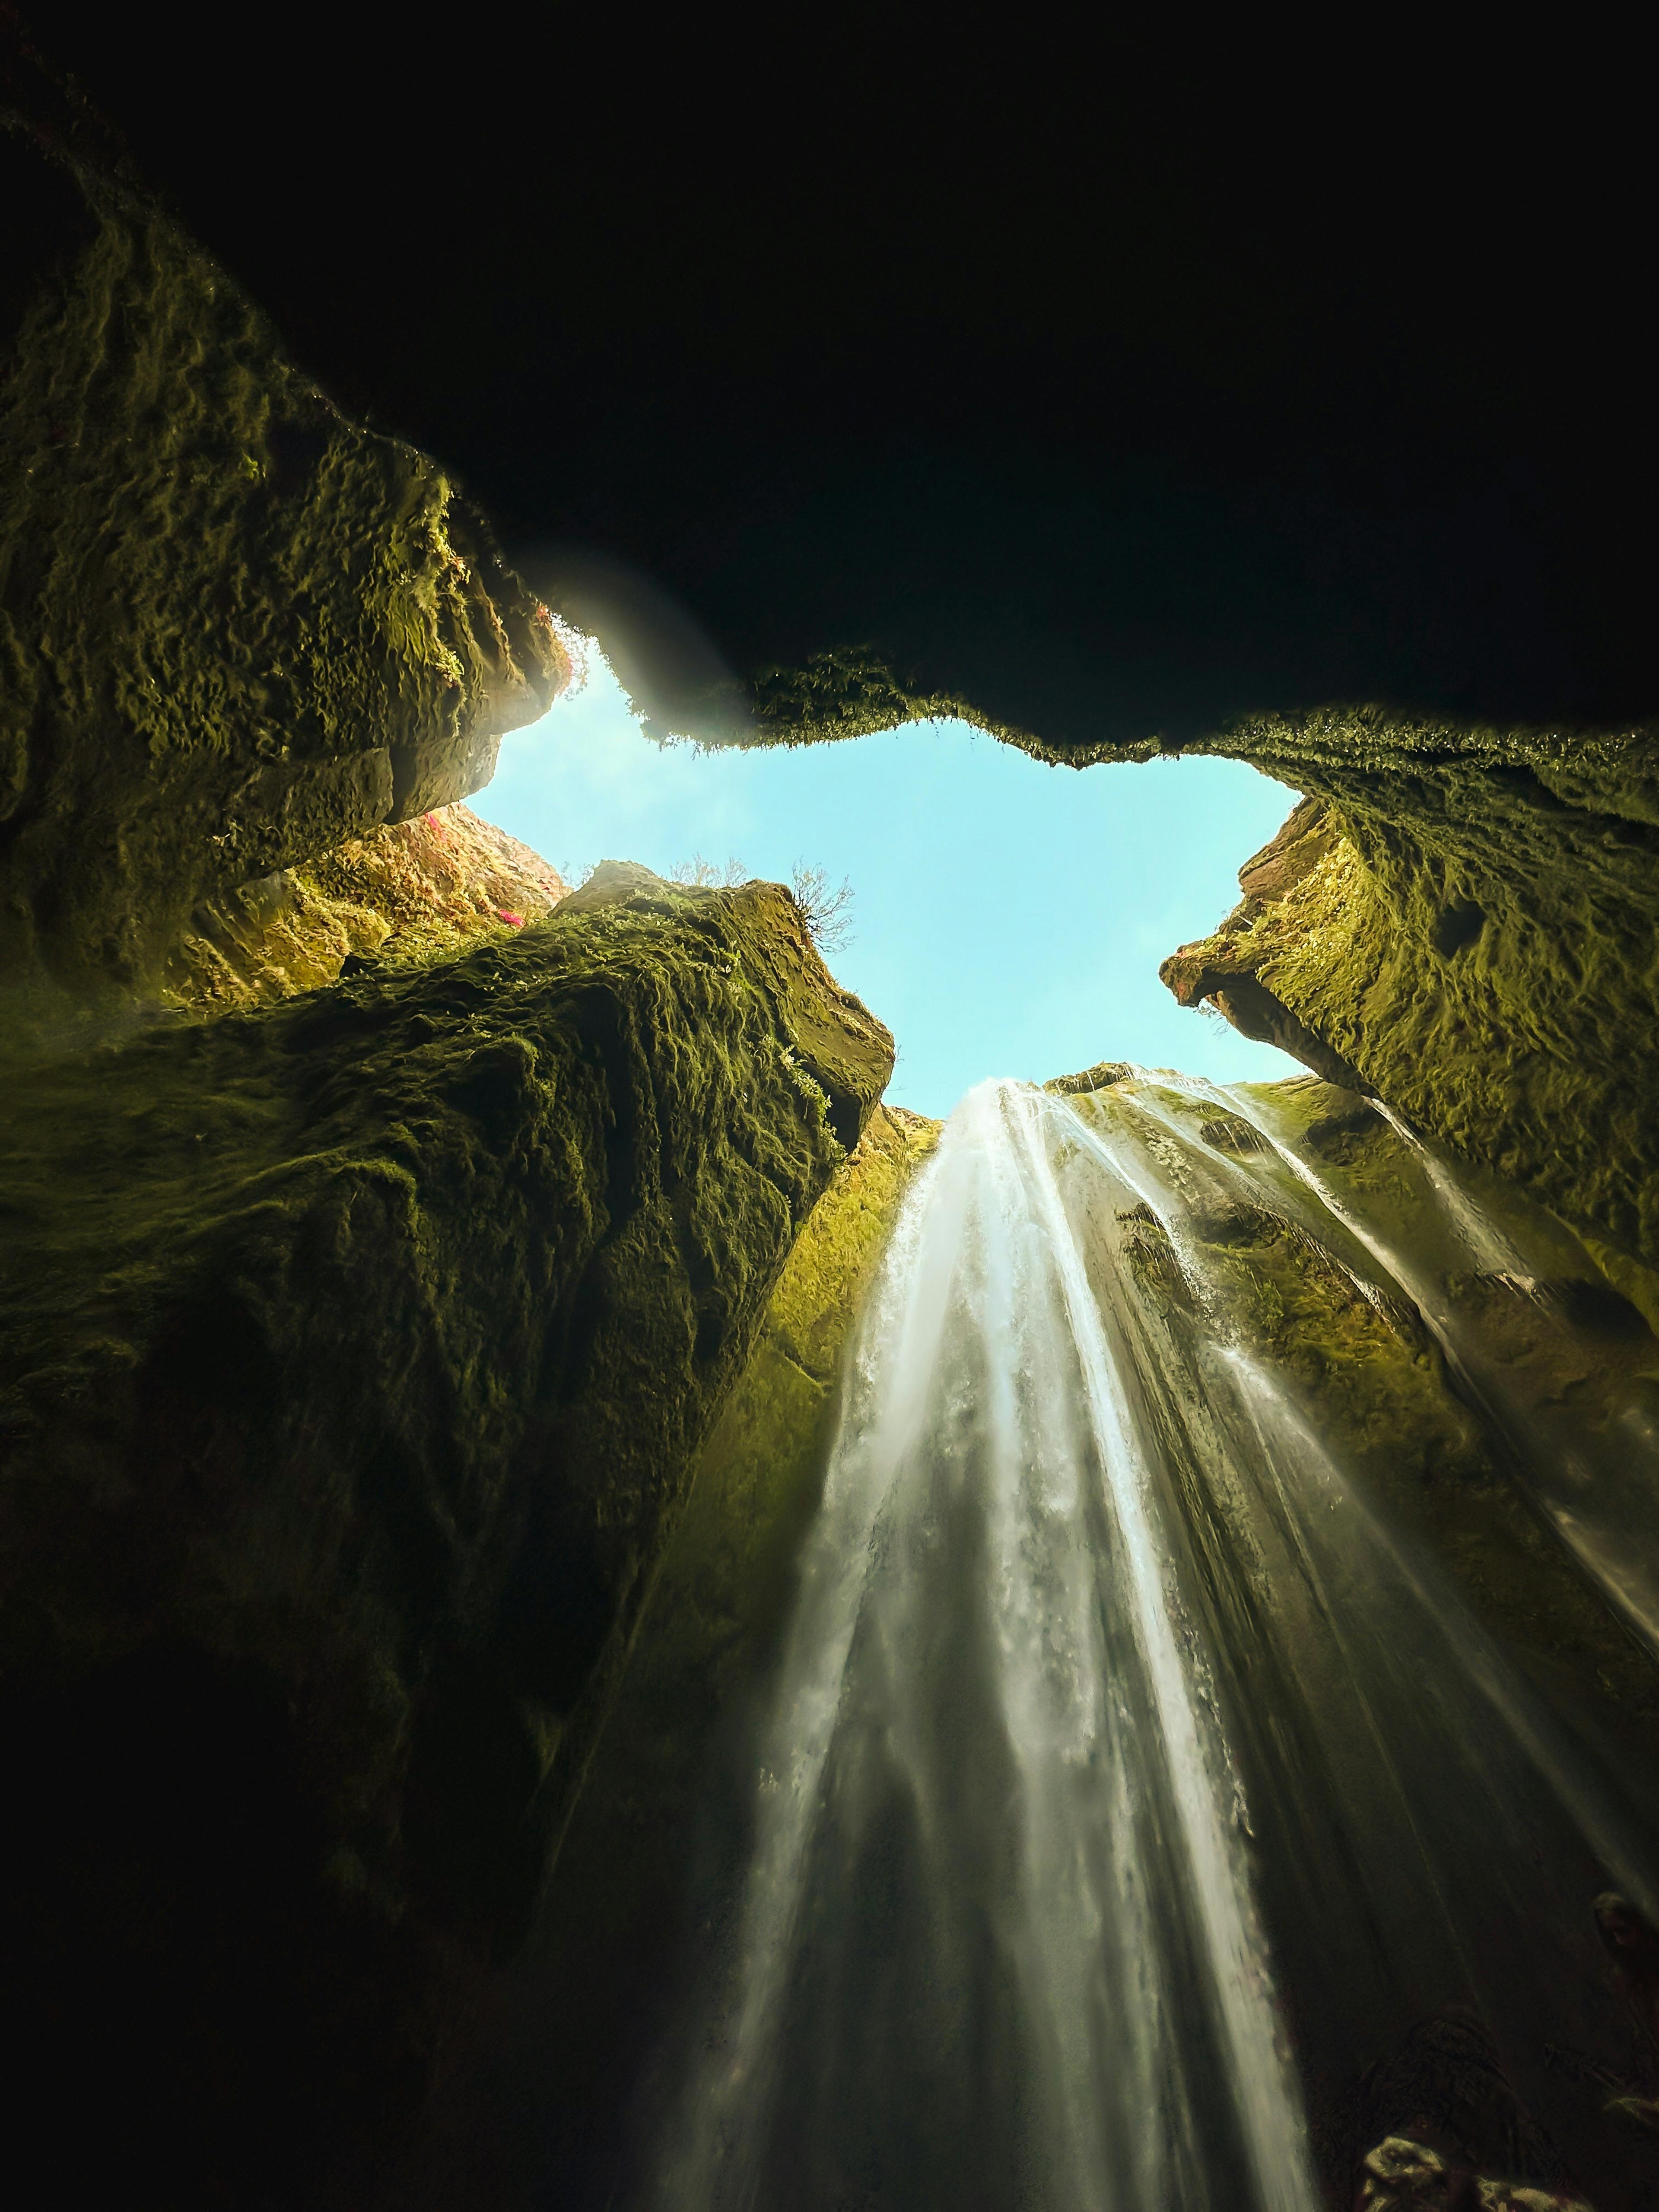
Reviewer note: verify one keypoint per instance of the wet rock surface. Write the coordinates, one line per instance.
(1457, 1355)
(1090, 1078)
(1401, 2175)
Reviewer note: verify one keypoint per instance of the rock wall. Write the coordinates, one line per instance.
(1465, 923)
(235, 628)
(380, 1243)
(1382, 1395)
(356, 1352)
(656, 1848)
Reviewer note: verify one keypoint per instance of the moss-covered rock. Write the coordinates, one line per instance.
(656, 1848)
(356, 1353)
(1465, 922)
(720, 1591)
(1090, 1078)
(235, 628)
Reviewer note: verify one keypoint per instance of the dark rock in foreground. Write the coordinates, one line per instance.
(356, 1354)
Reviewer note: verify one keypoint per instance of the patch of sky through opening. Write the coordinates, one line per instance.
(1007, 918)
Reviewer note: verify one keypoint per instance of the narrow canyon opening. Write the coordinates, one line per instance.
(678, 1532)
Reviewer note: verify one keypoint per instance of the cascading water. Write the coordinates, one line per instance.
(1596, 1481)
(1000, 1946)
(1102, 1673)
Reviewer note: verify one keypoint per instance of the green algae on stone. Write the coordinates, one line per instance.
(844, 693)
(1370, 1379)
(721, 1582)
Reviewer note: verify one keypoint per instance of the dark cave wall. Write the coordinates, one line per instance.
(356, 1352)
(235, 628)
(357, 1339)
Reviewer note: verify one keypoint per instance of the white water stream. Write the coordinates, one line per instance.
(1598, 1487)
(1001, 1946)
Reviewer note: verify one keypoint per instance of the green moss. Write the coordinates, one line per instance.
(1377, 1391)
(1096, 1078)
(1472, 935)
(368, 1340)
(847, 694)
(236, 628)
(722, 1584)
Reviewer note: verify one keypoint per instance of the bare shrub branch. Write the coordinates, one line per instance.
(706, 875)
(828, 910)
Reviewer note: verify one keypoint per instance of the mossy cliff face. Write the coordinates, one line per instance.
(1465, 923)
(235, 628)
(656, 1849)
(719, 1601)
(356, 1352)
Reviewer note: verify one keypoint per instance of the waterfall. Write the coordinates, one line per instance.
(1597, 1485)
(1103, 1673)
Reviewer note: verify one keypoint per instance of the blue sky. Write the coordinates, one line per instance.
(1007, 918)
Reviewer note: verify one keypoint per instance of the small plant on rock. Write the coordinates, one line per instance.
(826, 909)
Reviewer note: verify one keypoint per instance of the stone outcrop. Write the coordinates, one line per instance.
(1402, 2176)
(1456, 2122)
(356, 1351)
(412, 892)
(1221, 968)
(1090, 1078)
(235, 628)
(1463, 922)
